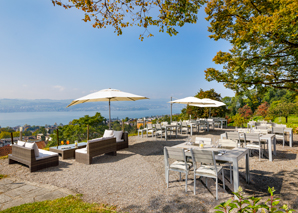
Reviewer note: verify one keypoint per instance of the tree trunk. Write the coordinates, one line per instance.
(286, 119)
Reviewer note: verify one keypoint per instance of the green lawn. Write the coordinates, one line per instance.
(291, 120)
(62, 205)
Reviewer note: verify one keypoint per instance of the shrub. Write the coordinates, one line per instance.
(245, 111)
(251, 204)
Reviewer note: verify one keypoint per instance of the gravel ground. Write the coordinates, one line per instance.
(134, 180)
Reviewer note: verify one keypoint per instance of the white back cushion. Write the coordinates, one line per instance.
(108, 133)
(29, 145)
(21, 143)
(36, 150)
(118, 135)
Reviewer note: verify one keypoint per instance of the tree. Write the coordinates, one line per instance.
(264, 39)
(121, 14)
(263, 109)
(245, 112)
(283, 109)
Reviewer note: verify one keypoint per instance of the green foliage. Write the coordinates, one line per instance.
(62, 205)
(4, 157)
(122, 14)
(284, 109)
(238, 120)
(7, 134)
(264, 40)
(77, 130)
(252, 204)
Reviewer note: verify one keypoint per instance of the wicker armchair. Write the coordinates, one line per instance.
(27, 157)
(95, 148)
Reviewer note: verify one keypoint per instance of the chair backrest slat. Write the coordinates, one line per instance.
(233, 135)
(203, 156)
(252, 137)
(175, 153)
(278, 129)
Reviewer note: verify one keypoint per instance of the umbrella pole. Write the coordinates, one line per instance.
(109, 113)
(209, 112)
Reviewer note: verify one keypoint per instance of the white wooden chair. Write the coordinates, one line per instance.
(180, 165)
(208, 167)
(206, 141)
(279, 134)
(255, 142)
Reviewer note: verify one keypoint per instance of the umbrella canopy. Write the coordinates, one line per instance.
(214, 103)
(193, 100)
(107, 95)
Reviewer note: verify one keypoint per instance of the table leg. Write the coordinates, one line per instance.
(270, 149)
(176, 132)
(235, 175)
(291, 138)
(247, 167)
(166, 134)
(191, 130)
(274, 145)
(221, 124)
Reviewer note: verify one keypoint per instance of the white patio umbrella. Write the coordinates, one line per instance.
(107, 95)
(193, 100)
(214, 104)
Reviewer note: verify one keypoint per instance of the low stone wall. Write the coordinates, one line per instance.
(5, 150)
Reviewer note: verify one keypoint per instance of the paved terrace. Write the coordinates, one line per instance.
(134, 180)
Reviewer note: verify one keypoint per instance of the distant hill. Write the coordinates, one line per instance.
(47, 105)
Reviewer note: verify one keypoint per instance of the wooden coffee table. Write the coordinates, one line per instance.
(67, 151)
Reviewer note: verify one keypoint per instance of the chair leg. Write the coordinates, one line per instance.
(180, 176)
(283, 142)
(231, 176)
(223, 178)
(216, 188)
(186, 174)
(206, 182)
(195, 180)
(168, 178)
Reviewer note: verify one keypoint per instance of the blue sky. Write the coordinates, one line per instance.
(48, 52)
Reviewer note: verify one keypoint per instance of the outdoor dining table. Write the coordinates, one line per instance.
(169, 126)
(222, 121)
(231, 155)
(269, 138)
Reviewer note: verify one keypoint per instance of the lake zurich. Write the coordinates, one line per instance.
(43, 118)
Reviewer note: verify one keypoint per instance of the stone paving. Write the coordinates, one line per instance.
(14, 192)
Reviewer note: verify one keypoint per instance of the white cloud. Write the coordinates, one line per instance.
(61, 88)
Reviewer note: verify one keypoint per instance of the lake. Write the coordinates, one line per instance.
(42, 118)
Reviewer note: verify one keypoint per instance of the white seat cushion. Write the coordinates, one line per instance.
(83, 150)
(45, 154)
(118, 135)
(208, 170)
(21, 143)
(180, 165)
(119, 141)
(108, 133)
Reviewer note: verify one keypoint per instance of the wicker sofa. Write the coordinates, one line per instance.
(95, 148)
(26, 156)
